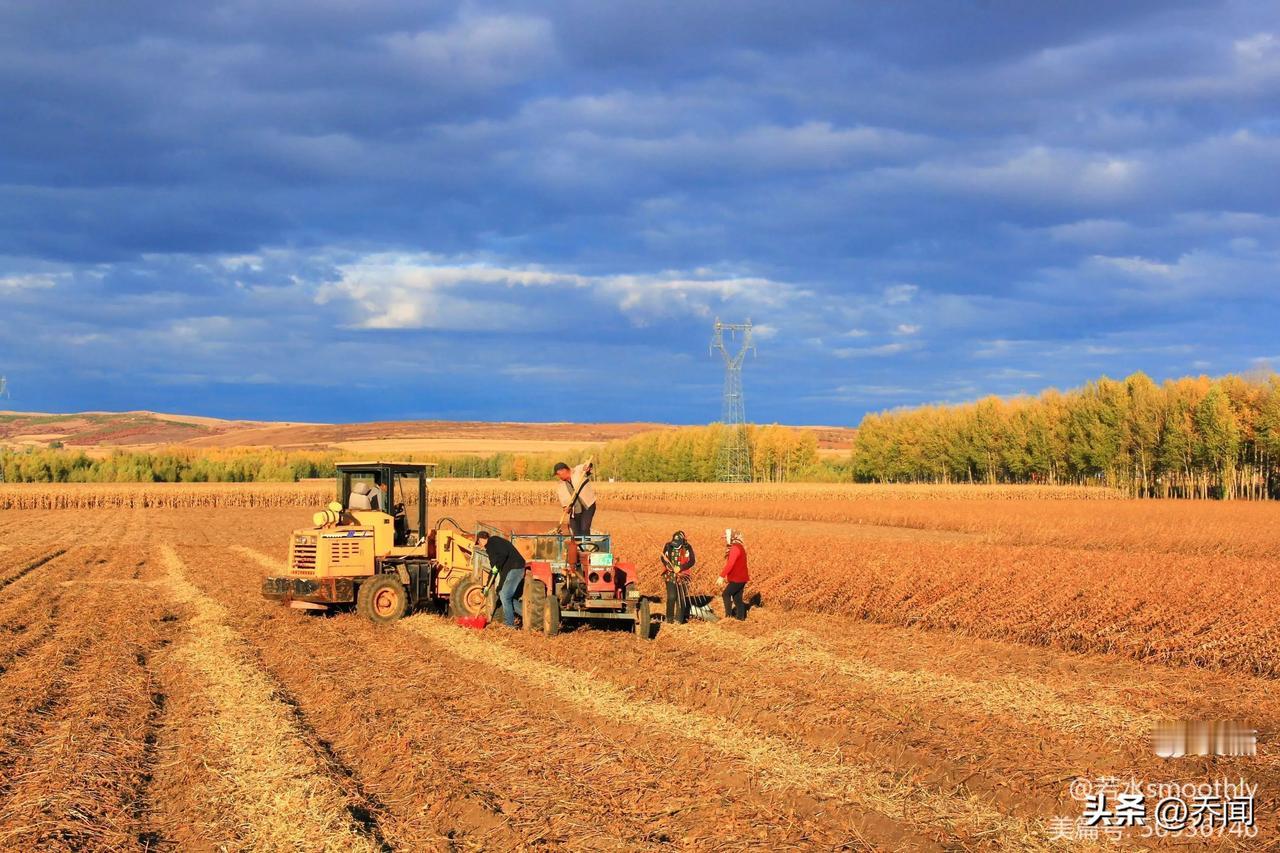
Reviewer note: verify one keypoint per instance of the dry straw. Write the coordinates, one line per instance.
(638, 496)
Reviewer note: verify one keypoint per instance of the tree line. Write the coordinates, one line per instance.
(684, 454)
(690, 455)
(1193, 437)
(183, 465)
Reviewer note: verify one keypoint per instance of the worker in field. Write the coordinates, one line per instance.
(678, 561)
(733, 577)
(577, 497)
(508, 564)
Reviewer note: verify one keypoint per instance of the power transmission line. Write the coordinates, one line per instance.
(734, 462)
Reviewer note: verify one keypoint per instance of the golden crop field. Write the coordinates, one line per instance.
(923, 669)
(701, 496)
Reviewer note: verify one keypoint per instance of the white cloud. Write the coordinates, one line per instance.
(997, 347)
(1135, 280)
(1137, 267)
(1091, 232)
(34, 281)
(1013, 373)
(1258, 60)
(875, 351)
(484, 51)
(906, 329)
(1033, 174)
(422, 292)
(549, 372)
(856, 392)
(900, 294)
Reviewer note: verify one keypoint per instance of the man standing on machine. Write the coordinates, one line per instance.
(577, 497)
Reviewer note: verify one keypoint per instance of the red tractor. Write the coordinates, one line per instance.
(573, 578)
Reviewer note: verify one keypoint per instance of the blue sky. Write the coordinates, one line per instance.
(333, 211)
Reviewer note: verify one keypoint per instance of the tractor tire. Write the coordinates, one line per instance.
(469, 599)
(382, 599)
(644, 620)
(534, 604)
(551, 616)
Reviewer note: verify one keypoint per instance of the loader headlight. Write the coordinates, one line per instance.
(304, 540)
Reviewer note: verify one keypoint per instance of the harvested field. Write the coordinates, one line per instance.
(922, 675)
(763, 501)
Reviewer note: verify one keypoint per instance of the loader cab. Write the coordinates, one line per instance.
(400, 489)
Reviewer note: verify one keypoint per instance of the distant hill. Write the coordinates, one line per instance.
(99, 432)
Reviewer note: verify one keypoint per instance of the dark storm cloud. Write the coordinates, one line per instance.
(919, 201)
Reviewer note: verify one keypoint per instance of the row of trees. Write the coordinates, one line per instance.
(1191, 437)
(677, 455)
(688, 454)
(181, 465)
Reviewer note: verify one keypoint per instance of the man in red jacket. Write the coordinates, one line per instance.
(734, 577)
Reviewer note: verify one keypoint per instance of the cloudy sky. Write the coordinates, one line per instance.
(332, 210)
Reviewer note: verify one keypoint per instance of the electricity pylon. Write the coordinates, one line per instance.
(734, 462)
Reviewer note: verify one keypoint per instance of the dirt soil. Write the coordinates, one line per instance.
(150, 699)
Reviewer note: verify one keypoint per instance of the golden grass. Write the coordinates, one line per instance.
(724, 497)
(274, 782)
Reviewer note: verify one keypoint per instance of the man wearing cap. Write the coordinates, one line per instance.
(582, 509)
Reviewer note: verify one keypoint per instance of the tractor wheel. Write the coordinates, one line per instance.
(382, 599)
(534, 604)
(469, 599)
(551, 616)
(643, 619)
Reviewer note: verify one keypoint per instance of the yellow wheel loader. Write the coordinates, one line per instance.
(372, 549)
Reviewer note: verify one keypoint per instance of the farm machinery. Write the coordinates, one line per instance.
(573, 578)
(372, 549)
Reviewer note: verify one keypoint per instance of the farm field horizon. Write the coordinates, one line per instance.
(491, 426)
(926, 668)
(100, 433)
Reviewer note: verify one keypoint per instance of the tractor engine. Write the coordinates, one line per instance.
(593, 576)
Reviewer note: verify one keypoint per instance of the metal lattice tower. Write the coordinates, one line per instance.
(734, 464)
(4, 387)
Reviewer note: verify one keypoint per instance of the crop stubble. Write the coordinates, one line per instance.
(795, 729)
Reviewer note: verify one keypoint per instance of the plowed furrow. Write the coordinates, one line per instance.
(495, 759)
(272, 791)
(31, 567)
(71, 762)
(780, 763)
